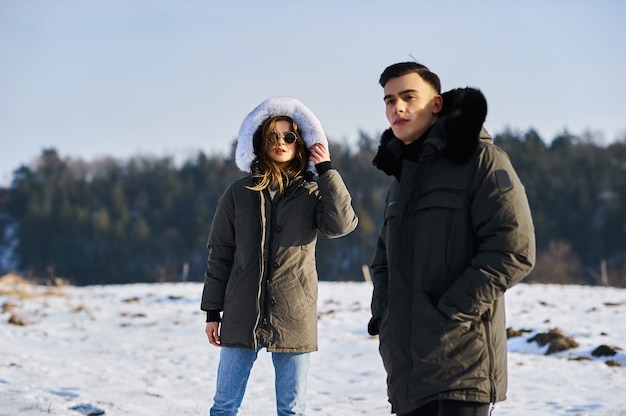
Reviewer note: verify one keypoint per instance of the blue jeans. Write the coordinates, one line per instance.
(290, 371)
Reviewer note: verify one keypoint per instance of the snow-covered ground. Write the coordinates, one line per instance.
(140, 349)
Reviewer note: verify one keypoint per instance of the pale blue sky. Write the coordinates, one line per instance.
(128, 77)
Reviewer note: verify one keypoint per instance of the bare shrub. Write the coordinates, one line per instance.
(557, 264)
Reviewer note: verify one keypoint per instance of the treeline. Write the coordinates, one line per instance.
(147, 219)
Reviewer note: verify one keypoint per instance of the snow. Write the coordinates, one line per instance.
(140, 349)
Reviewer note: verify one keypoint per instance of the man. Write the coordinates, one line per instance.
(457, 234)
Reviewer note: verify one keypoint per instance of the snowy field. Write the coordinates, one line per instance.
(141, 350)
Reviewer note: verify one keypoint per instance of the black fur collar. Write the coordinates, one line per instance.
(454, 136)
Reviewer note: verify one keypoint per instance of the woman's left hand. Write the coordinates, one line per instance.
(319, 154)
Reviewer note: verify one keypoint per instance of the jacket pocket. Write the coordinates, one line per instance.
(439, 218)
(444, 347)
(444, 199)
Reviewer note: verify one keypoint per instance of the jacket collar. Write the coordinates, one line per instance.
(454, 136)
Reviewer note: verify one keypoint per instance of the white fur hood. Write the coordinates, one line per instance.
(309, 127)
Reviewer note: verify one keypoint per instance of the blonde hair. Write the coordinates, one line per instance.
(265, 169)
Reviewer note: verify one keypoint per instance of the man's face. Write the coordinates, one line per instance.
(411, 105)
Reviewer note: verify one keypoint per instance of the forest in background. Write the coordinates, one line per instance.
(146, 219)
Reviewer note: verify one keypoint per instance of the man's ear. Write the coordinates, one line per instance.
(437, 103)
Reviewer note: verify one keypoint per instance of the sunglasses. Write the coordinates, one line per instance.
(289, 137)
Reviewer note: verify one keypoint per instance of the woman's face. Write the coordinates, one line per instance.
(280, 151)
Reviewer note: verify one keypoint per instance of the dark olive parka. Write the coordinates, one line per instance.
(261, 267)
(261, 271)
(457, 234)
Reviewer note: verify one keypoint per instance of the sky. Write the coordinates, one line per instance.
(170, 78)
(140, 349)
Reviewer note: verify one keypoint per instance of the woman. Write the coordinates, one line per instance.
(260, 288)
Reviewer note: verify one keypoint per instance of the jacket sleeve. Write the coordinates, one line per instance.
(380, 284)
(505, 237)
(221, 247)
(335, 216)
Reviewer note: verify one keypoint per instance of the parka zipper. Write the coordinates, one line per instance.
(492, 379)
(262, 265)
(269, 267)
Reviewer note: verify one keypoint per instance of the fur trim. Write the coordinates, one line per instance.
(389, 155)
(466, 111)
(308, 124)
(456, 133)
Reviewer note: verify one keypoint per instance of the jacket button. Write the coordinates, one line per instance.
(273, 301)
(278, 229)
(276, 264)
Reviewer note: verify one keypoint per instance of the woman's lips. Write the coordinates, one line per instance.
(400, 121)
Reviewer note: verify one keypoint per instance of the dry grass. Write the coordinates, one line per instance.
(8, 307)
(20, 290)
(15, 286)
(133, 315)
(605, 351)
(79, 308)
(612, 363)
(512, 332)
(18, 320)
(555, 340)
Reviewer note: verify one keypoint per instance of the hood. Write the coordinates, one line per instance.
(309, 127)
(455, 135)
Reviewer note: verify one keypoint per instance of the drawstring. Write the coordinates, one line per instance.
(491, 407)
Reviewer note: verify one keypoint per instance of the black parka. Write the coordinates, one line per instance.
(457, 234)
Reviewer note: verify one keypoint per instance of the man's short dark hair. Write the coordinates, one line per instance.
(403, 68)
